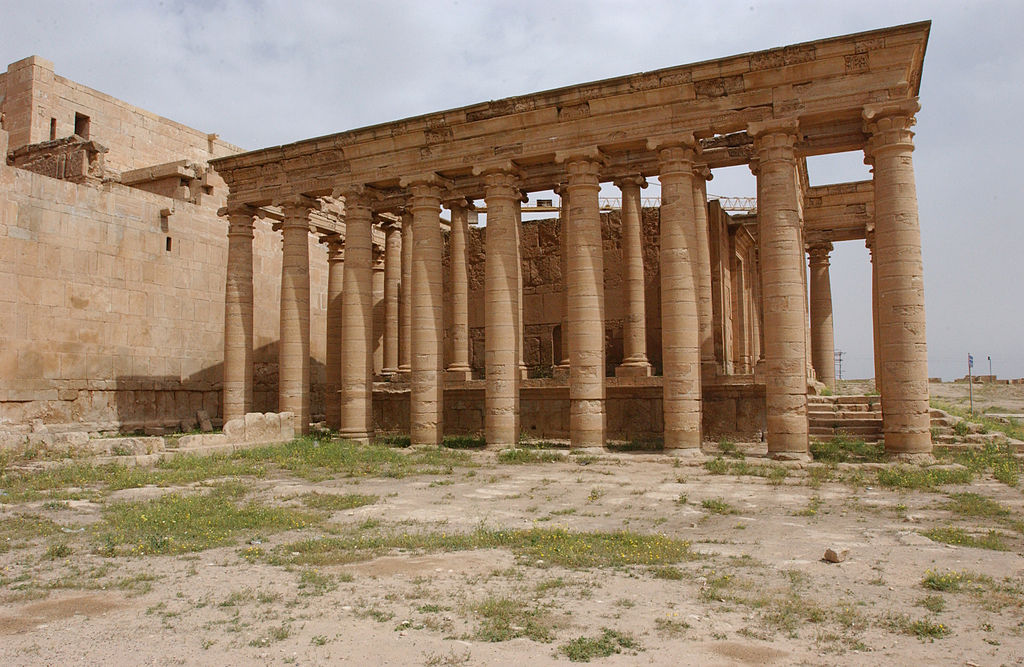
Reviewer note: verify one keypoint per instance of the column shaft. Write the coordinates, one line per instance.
(680, 338)
(293, 351)
(377, 308)
(405, 296)
(906, 422)
(782, 266)
(520, 321)
(501, 307)
(702, 279)
(875, 337)
(822, 332)
(426, 396)
(563, 262)
(634, 329)
(586, 306)
(238, 317)
(357, 321)
(335, 283)
(459, 367)
(392, 288)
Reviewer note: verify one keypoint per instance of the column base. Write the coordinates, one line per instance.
(633, 370)
(361, 437)
(524, 373)
(458, 374)
(388, 371)
(688, 453)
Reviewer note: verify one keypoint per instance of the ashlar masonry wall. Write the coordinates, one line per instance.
(112, 316)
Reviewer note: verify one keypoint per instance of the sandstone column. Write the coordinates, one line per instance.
(822, 333)
(906, 423)
(426, 396)
(357, 319)
(293, 351)
(238, 322)
(563, 261)
(377, 308)
(702, 276)
(524, 370)
(405, 297)
(782, 267)
(392, 286)
(634, 334)
(875, 336)
(680, 338)
(586, 300)
(335, 282)
(501, 308)
(459, 368)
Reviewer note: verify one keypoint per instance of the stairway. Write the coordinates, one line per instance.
(858, 417)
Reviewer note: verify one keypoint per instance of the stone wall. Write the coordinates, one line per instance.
(634, 409)
(33, 96)
(113, 315)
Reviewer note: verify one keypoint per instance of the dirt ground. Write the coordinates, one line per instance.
(991, 398)
(752, 588)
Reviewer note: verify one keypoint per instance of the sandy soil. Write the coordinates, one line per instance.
(760, 593)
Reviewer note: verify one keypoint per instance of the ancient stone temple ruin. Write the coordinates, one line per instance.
(717, 329)
(353, 286)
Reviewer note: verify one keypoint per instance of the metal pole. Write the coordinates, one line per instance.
(990, 365)
(970, 379)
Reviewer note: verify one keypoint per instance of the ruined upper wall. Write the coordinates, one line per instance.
(34, 99)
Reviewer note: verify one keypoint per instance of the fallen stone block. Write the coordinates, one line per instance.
(234, 430)
(834, 556)
(202, 440)
(205, 425)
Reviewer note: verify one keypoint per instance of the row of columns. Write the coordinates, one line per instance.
(687, 340)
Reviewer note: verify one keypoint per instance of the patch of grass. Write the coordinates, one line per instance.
(729, 449)
(637, 445)
(314, 582)
(585, 649)
(975, 505)
(393, 441)
(521, 455)
(1000, 460)
(911, 478)
(333, 502)
(177, 523)
(20, 529)
(933, 603)
(923, 629)
(720, 466)
(668, 572)
(953, 581)
(58, 551)
(813, 505)
(552, 546)
(500, 619)
(841, 449)
(670, 627)
(717, 506)
(596, 494)
(463, 442)
(992, 540)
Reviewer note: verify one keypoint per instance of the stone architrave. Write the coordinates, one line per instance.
(906, 423)
(357, 319)
(426, 409)
(238, 315)
(710, 366)
(501, 307)
(780, 240)
(634, 334)
(332, 371)
(405, 297)
(392, 288)
(459, 368)
(822, 332)
(680, 340)
(293, 351)
(586, 300)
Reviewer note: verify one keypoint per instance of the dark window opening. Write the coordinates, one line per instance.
(53, 129)
(82, 125)
(168, 246)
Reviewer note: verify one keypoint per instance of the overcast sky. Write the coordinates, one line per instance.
(267, 73)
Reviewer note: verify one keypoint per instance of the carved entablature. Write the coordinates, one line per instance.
(823, 86)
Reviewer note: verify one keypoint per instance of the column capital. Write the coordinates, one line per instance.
(458, 203)
(358, 197)
(888, 126)
(632, 180)
(335, 247)
(586, 154)
(426, 179)
(500, 166)
(819, 252)
(298, 205)
(378, 253)
(681, 140)
(702, 171)
(774, 139)
(240, 219)
(501, 184)
(390, 222)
